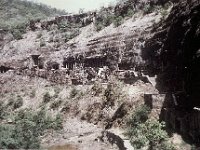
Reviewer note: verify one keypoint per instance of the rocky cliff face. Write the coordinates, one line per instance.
(173, 54)
(174, 49)
(145, 44)
(118, 48)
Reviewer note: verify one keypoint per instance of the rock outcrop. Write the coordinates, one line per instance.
(173, 54)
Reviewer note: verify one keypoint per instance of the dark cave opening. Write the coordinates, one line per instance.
(35, 59)
(4, 69)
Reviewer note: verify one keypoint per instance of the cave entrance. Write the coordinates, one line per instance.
(35, 59)
(124, 66)
(96, 61)
(55, 66)
(4, 69)
(69, 62)
(69, 65)
(52, 65)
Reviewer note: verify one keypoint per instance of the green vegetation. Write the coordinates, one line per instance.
(113, 93)
(33, 93)
(73, 92)
(17, 33)
(16, 14)
(97, 89)
(147, 9)
(110, 94)
(28, 127)
(130, 12)
(69, 30)
(139, 116)
(193, 147)
(46, 97)
(63, 26)
(56, 104)
(146, 132)
(18, 103)
(118, 21)
(10, 102)
(99, 26)
(71, 34)
(66, 107)
(109, 18)
(2, 108)
(57, 91)
(106, 17)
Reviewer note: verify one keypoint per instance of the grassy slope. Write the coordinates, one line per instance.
(15, 12)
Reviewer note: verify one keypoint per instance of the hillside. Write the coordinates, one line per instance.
(17, 12)
(122, 77)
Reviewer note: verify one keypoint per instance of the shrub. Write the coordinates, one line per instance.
(118, 21)
(164, 13)
(57, 124)
(72, 34)
(63, 25)
(99, 26)
(17, 34)
(2, 110)
(46, 97)
(73, 92)
(139, 116)
(6, 140)
(66, 107)
(108, 19)
(33, 93)
(18, 103)
(57, 91)
(56, 104)
(66, 37)
(130, 13)
(17, 29)
(145, 132)
(10, 102)
(193, 147)
(147, 9)
(111, 94)
(80, 94)
(97, 89)
(26, 134)
(28, 127)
